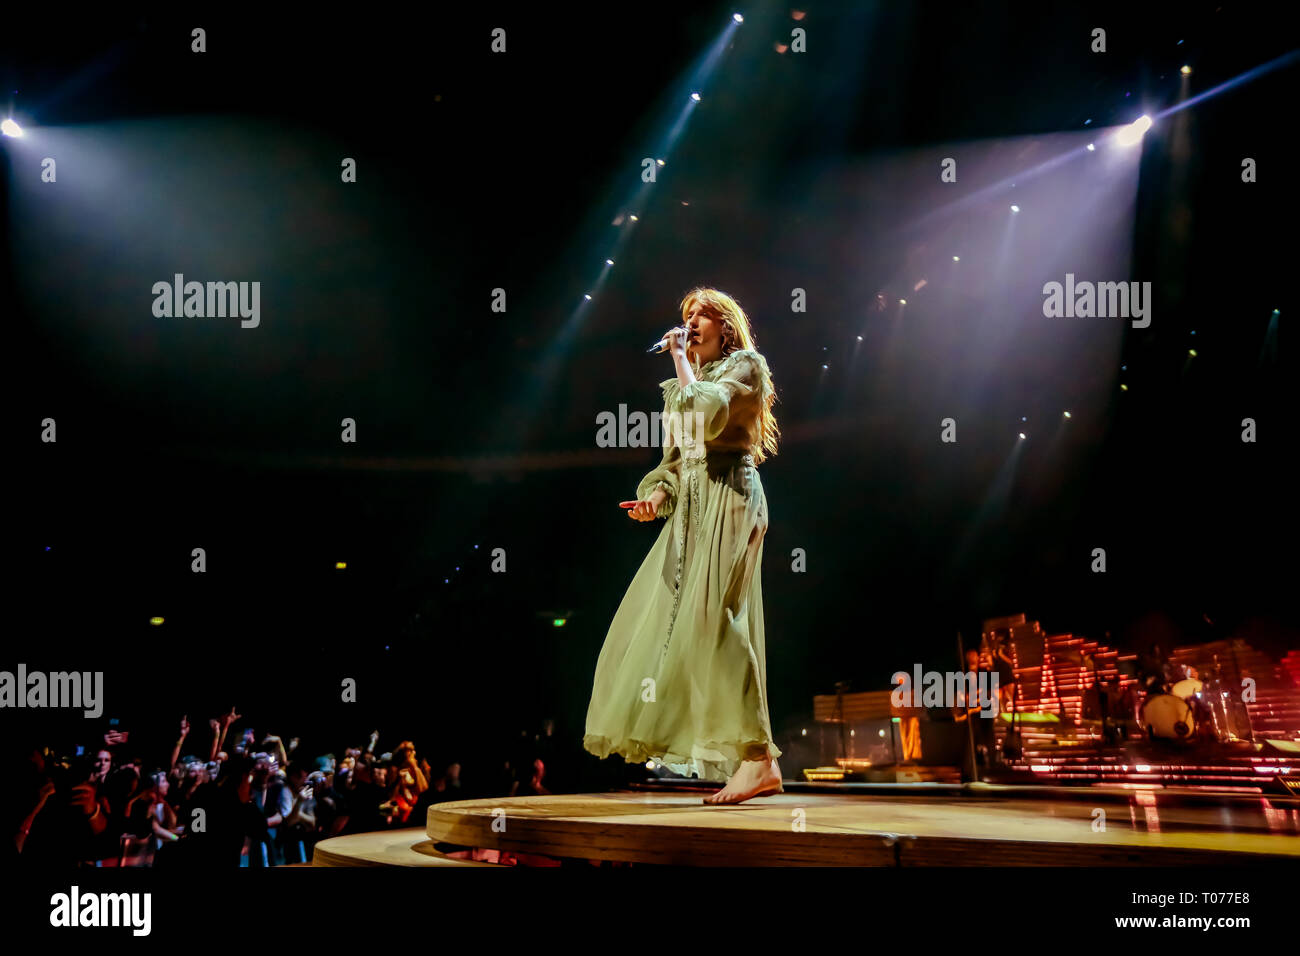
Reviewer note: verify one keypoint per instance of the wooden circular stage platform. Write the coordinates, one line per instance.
(384, 848)
(794, 829)
(851, 830)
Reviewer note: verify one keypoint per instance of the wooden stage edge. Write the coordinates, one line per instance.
(830, 830)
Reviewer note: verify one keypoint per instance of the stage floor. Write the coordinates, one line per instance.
(852, 830)
(384, 848)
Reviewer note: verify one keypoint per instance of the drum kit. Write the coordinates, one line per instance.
(1182, 707)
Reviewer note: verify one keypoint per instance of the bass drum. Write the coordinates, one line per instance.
(1187, 687)
(1168, 717)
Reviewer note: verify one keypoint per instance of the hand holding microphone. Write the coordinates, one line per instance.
(675, 341)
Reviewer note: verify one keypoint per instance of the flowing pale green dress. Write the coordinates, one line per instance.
(682, 676)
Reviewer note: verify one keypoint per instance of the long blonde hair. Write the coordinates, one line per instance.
(736, 334)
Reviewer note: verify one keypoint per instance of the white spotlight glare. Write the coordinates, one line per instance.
(956, 258)
(609, 262)
(9, 128)
(587, 296)
(1131, 135)
(1022, 435)
(1015, 209)
(738, 18)
(1092, 148)
(902, 302)
(695, 97)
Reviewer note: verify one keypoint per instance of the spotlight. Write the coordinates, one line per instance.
(1067, 414)
(695, 97)
(155, 621)
(9, 128)
(659, 161)
(1192, 352)
(587, 297)
(340, 565)
(1131, 135)
(859, 338)
(1015, 209)
(956, 258)
(634, 218)
(609, 262)
(1022, 435)
(1123, 388)
(825, 366)
(1186, 71)
(902, 302)
(1092, 148)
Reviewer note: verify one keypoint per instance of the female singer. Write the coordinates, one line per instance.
(682, 675)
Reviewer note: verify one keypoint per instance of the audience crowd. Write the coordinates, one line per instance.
(242, 800)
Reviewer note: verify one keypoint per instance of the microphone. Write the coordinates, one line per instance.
(662, 344)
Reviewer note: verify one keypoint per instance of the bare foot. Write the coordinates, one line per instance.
(754, 778)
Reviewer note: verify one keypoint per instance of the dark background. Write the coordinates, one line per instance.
(477, 429)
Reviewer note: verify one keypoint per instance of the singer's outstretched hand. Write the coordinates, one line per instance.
(646, 510)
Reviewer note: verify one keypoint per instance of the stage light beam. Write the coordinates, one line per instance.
(1131, 134)
(9, 128)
